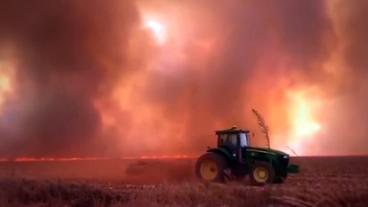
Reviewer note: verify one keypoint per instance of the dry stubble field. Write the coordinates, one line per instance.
(323, 181)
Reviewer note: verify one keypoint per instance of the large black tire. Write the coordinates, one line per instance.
(261, 173)
(211, 167)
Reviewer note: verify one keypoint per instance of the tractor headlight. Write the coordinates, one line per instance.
(285, 156)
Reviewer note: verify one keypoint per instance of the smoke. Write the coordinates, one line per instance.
(67, 55)
(91, 80)
(234, 57)
(346, 112)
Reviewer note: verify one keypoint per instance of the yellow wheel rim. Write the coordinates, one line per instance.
(261, 174)
(208, 170)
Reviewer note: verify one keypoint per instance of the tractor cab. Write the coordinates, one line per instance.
(232, 138)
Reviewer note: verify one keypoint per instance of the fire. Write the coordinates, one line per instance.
(304, 125)
(6, 82)
(66, 159)
(157, 28)
(303, 122)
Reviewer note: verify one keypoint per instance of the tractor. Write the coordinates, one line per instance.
(234, 158)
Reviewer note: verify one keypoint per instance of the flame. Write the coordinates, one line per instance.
(302, 115)
(6, 82)
(66, 159)
(157, 28)
(154, 21)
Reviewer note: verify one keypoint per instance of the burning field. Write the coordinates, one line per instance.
(323, 181)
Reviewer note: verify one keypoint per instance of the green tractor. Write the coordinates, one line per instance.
(234, 158)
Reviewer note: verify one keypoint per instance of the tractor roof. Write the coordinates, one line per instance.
(232, 130)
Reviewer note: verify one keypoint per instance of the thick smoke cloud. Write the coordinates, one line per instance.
(347, 114)
(91, 80)
(67, 55)
(258, 43)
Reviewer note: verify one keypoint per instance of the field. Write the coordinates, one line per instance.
(323, 181)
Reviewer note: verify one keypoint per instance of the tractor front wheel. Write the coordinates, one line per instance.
(210, 167)
(261, 173)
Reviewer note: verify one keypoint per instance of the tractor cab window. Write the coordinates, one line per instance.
(228, 140)
(232, 139)
(243, 140)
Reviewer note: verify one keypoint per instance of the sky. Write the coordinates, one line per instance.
(125, 78)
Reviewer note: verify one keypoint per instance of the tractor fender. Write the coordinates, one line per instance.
(256, 155)
(222, 152)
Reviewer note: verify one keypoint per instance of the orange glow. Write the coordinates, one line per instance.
(50, 159)
(167, 157)
(302, 115)
(6, 82)
(303, 122)
(156, 27)
(158, 30)
(154, 22)
(142, 157)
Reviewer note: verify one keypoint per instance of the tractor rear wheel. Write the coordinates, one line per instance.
(261, 173)
(210, 167)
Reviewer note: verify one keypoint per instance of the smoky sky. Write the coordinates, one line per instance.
(249, 31)
(349, 115)
(68, 56)
(71, 56)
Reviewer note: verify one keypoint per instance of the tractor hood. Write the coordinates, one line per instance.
(266, 151)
